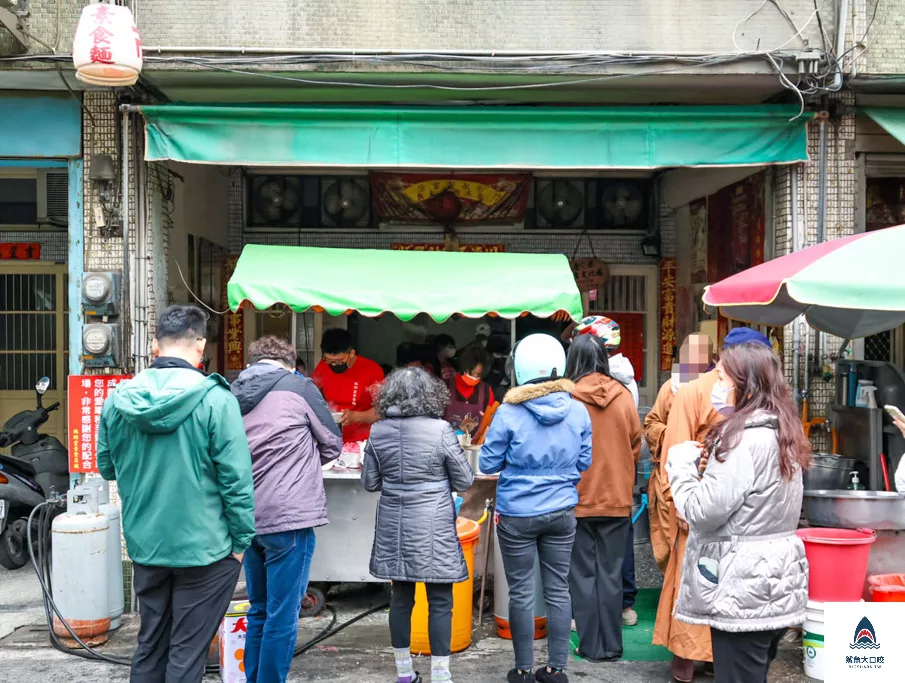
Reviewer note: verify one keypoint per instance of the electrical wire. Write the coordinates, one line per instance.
(41, 563)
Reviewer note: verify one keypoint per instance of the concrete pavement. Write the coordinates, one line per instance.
(358, 654)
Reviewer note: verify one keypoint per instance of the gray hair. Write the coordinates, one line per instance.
(412, 392)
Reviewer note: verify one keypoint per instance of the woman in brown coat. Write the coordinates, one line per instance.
(604, 501)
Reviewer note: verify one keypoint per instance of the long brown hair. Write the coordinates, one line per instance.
(760, 387)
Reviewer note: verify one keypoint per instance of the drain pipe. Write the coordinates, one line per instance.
(841, 26)
(128, 363)
(821, 211)
(796, 331)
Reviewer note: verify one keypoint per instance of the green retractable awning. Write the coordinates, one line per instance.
(404, 283)
(891, 119)
(476, 137)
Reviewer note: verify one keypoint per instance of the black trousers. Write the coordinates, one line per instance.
(439, 619)
(595, 582)
(744, 657)
(181, 610)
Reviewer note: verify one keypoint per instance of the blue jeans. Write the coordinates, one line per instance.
(524, 541)
(276, 575)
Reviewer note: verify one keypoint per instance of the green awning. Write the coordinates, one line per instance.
(476, 137)
(891, 119)
(404, 283)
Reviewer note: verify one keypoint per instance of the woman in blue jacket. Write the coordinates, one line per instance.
(540, 443)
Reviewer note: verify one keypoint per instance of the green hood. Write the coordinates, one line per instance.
(159, 401)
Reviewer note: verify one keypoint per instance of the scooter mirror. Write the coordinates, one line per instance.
(42, 385)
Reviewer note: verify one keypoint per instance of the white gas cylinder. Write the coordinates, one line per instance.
(114, 550)
(80, 571)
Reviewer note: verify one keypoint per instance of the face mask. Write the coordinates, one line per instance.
(719, 397)
(339, 369)
(447, 353)
(470, 380)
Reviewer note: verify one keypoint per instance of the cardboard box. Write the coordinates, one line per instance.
(232, 642)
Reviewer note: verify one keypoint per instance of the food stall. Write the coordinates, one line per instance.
(849, 288)
(405, 284)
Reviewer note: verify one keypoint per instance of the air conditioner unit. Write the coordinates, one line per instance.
(53, 196)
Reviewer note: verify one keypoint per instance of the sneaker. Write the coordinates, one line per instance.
(547, 675)
(629, 617)
(417, 678)
(519, 676)
(574, 626)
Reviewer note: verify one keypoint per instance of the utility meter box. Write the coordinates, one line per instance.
(101, 294)
(101, 345)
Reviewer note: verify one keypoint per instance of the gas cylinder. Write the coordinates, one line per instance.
(80, 570)
(501, 597)
(114, 550)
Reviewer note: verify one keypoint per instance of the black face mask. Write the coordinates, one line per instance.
(339, 369)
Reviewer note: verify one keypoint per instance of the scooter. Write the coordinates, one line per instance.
(36, 470)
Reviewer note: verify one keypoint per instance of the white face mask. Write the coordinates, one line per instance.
(719, 397)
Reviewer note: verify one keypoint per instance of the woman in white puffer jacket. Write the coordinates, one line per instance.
(745, 573)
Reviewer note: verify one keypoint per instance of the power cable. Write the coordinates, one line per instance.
(43, 569)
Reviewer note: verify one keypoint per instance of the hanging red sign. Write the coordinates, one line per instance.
(422, 198)
(85, 397)
(20, 251)
(234, 342)
(667, 313)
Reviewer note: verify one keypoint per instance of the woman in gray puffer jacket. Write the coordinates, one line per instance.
(414, 459)
(745, 573)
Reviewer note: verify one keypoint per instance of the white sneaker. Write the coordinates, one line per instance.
(574, 627)
(629, 617)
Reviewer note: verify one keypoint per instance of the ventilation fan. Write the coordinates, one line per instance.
(346, 203)
(276, 201)
(559, 203)
(623, 205)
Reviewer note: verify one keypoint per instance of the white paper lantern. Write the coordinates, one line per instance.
(107, 49)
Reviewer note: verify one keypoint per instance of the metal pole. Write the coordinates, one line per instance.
(821, 210)
(796, 331)
(127, 270)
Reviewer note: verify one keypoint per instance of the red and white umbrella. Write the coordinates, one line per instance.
(850, 287)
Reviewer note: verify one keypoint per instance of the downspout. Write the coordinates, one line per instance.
(841, 26)
(127, 271)
(821, 214)
(796, 331)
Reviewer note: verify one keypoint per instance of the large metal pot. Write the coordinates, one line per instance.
(828, 472)
(855, 509)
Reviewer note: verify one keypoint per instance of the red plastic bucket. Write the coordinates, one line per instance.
(887, 587)
(838, 562)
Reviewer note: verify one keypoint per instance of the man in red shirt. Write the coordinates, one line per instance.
(348, 382)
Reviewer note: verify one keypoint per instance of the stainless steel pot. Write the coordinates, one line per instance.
(828, 472)
(855, 509)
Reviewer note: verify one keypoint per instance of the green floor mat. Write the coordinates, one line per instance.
(636, 640)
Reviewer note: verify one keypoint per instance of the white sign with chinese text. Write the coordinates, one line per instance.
(864, 642)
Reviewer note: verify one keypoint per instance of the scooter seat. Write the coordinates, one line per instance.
(16, 465)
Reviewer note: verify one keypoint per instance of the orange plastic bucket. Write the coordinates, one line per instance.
(463, 598)
(886, 587)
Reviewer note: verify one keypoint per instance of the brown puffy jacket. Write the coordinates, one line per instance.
(606, 488)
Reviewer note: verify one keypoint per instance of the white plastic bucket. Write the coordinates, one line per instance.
(812, 641)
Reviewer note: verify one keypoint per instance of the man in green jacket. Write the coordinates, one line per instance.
(172, 438)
